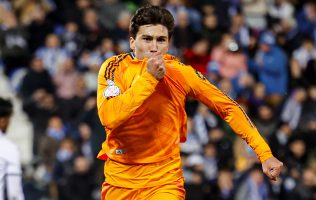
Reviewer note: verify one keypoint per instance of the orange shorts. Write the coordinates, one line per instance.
(174, 191)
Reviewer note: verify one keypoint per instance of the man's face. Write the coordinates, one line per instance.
(150, 39)
(264, 47)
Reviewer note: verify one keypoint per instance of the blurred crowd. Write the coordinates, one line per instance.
(261, 53)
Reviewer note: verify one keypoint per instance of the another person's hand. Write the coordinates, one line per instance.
(272, 167)
(156, 65)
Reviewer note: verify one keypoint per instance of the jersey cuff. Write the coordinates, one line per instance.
(263, 157)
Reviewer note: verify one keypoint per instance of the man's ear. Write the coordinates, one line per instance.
(132, 43)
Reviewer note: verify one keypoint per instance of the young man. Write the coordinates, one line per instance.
(141, 99)
(10, 167)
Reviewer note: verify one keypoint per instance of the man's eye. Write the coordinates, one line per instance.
(161, 40)
(147, 39)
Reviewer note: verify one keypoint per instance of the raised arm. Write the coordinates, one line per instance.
(114, 107)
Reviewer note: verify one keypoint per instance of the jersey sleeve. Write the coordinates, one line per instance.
(14, 175)
(201, 89)
(114, 107)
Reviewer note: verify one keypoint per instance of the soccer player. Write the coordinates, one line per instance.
(141, 99)
(10, 167)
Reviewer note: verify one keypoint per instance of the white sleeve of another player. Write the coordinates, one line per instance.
(14, 176)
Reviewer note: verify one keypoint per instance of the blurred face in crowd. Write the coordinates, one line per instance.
(150, 39)
(72, 27)
(4, 122)
(203, 110)
(47, 102)
(310, 11)
(38, 14)
(237, 20)
(296, 69)
(279, 2)
(225, 180)
(210, 151)
(265, 112)
(107, 45)
(90, 18)
(226, 86)
(201, 47)
(68, 145)
(264, 47)
(81, 165)
(83, 4)
(124, 20)
(298, 148)
(155, 2)
(308, 44)
(55, 122)
(312, 125)
(312, 92)
(68, 65)
(10, 20)
(52, 41)
(210, 21)
(309, 178)
(183, 18)
(175, 2)
(197, 178)
(84, 131)
(216, 134)
(257, 176)
(300, 95)
(259, 91)
(37, 65)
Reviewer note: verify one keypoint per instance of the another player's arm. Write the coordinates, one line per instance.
(14, 176)
(114, 110)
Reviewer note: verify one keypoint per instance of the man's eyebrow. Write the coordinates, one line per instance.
(150, 36)
(162, 37)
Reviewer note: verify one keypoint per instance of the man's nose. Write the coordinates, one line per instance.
(154, 45)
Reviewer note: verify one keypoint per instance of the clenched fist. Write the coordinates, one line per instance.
(156, 65)
(272, 167)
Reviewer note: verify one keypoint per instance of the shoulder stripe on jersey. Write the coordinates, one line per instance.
(242, 110)
(122, 57)
(110, 68)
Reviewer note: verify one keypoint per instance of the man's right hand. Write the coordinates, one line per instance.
(156, 65)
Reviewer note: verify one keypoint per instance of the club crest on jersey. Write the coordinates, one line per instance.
(111, 90)
(119, 151)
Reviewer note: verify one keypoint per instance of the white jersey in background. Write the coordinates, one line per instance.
(10, 170)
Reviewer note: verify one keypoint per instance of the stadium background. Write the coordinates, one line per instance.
(259, 52)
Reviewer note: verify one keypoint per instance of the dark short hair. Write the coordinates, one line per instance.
(151, 15)
(6, 107)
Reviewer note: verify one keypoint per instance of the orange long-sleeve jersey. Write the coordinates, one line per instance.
(145, 118)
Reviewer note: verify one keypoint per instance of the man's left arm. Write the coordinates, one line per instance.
(230, 111)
